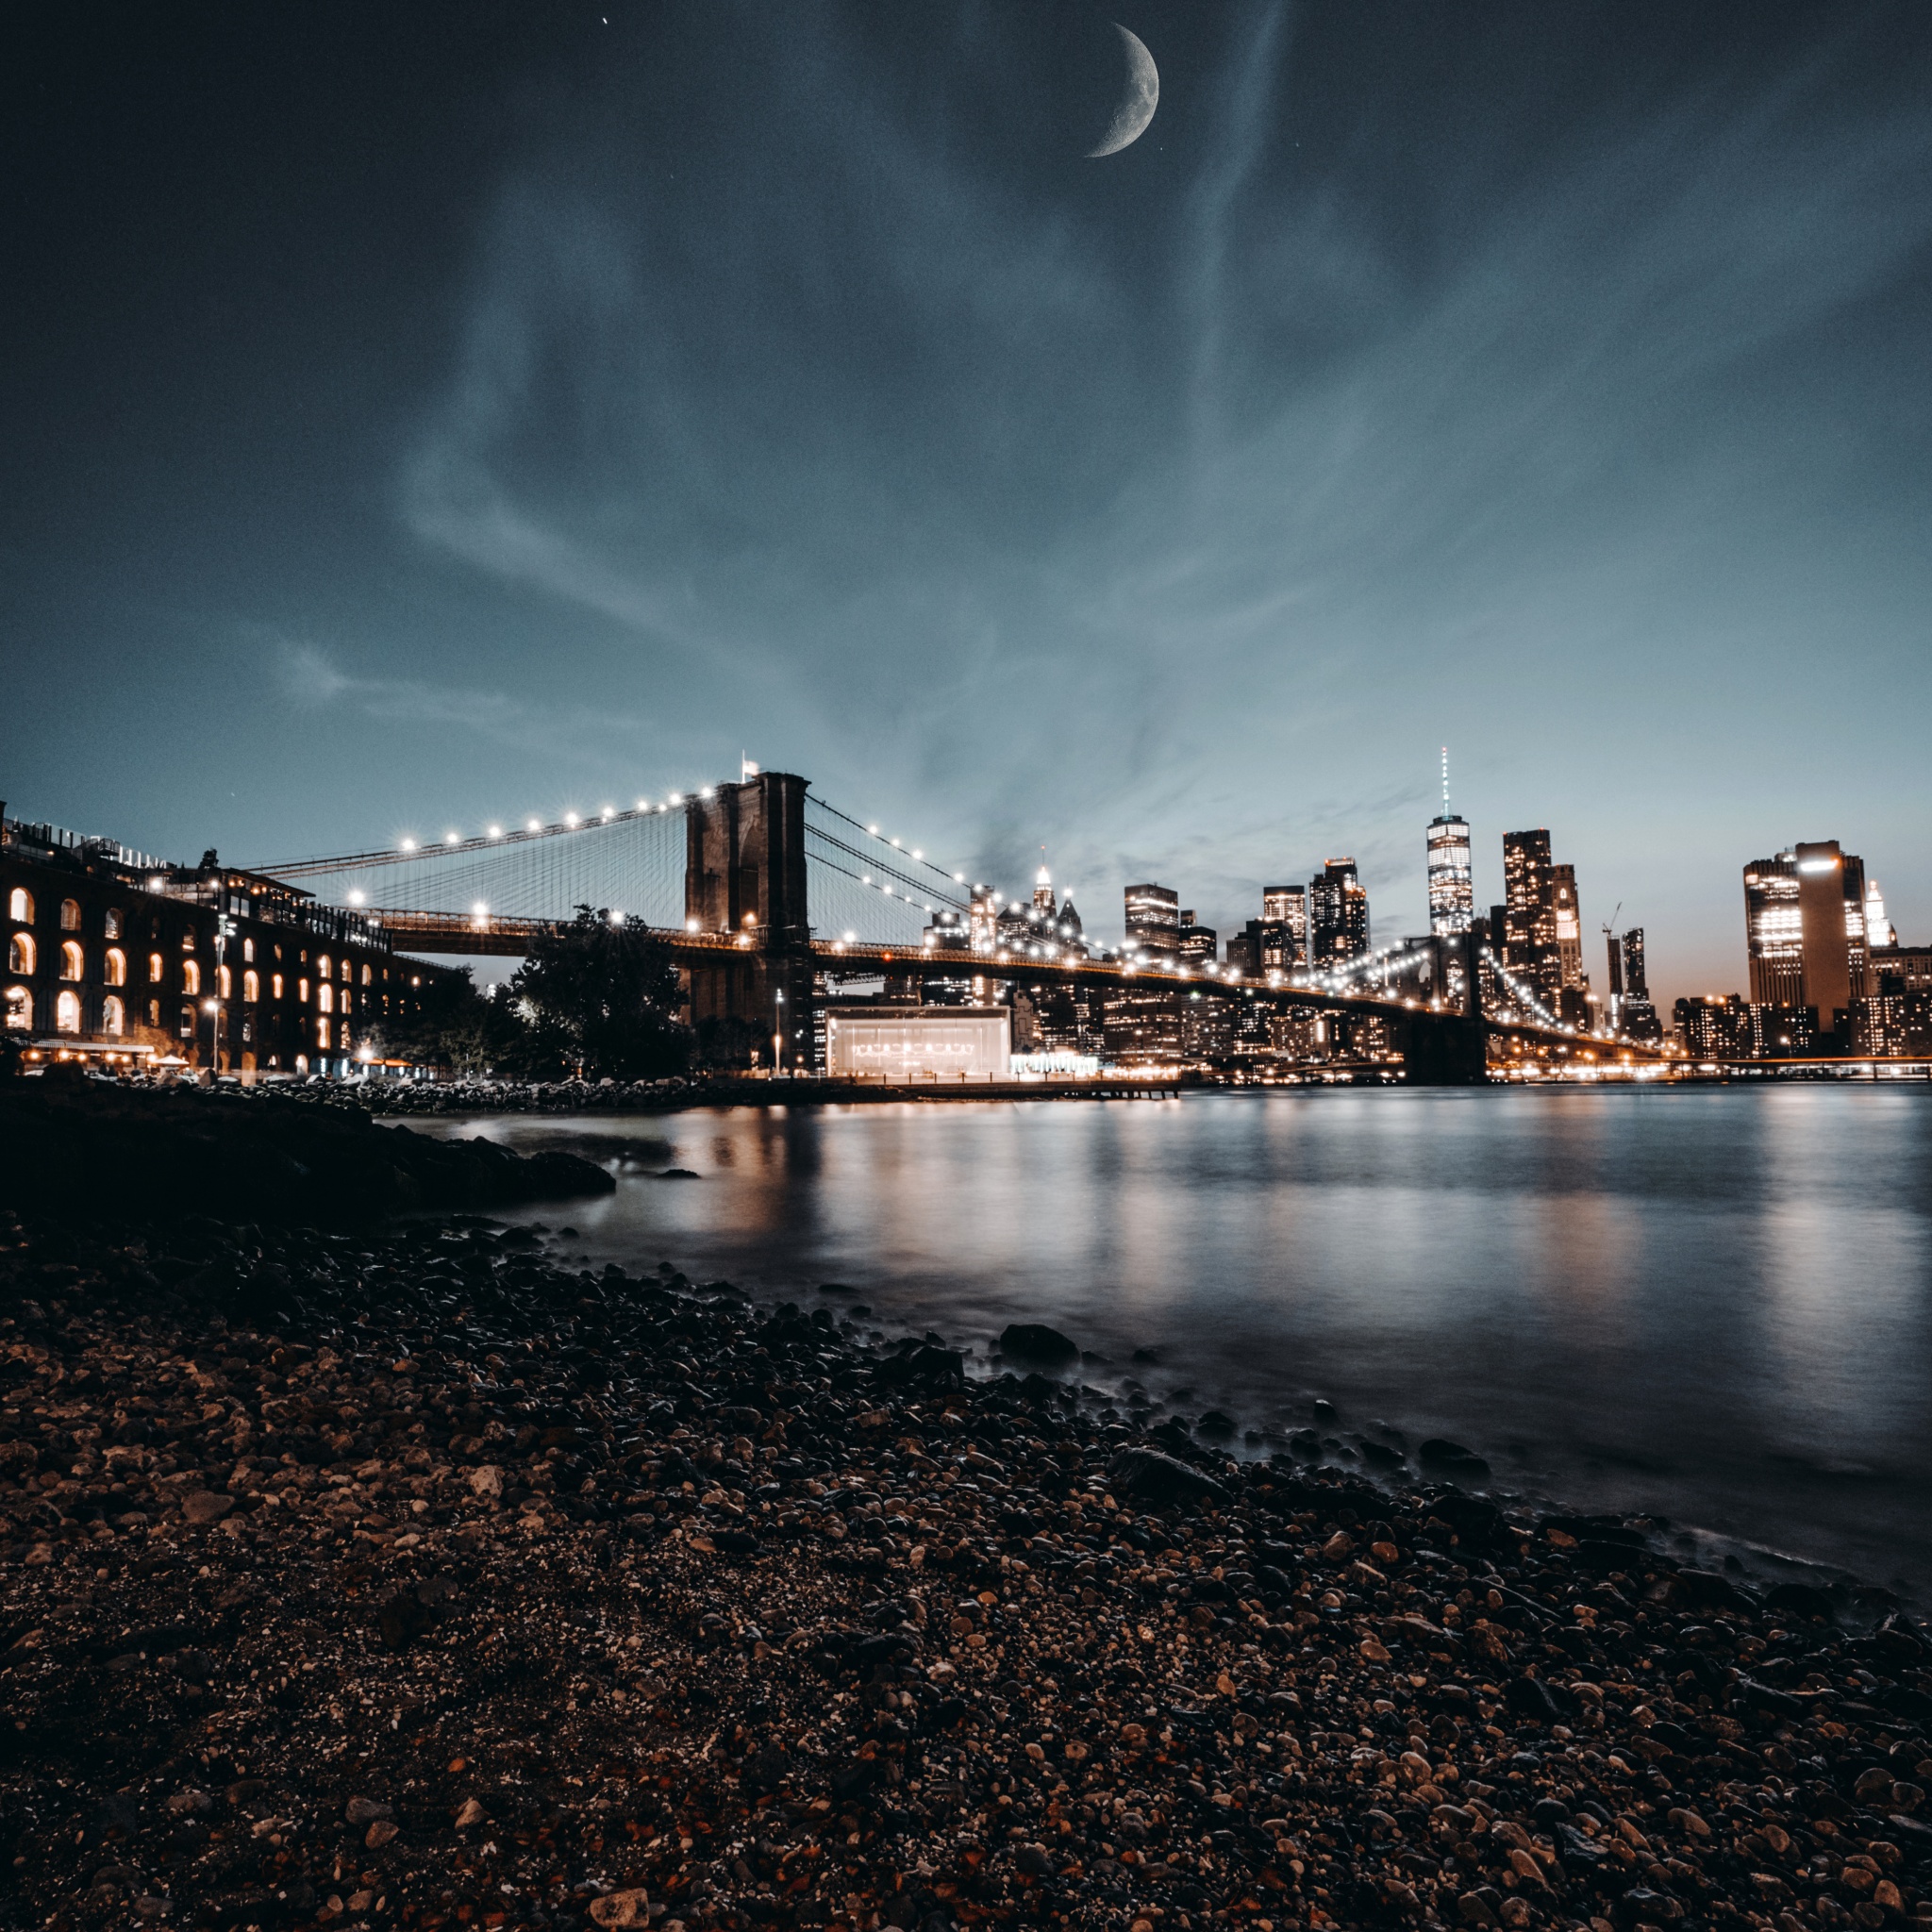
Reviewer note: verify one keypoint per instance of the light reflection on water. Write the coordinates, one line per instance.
(1716, 1303)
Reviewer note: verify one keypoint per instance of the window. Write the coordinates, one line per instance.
(20, 906)
(188, 940)
(275, 985)
(225, 983)
(70, 915)
(191, 976)
(154, 1012)
(20, 1010)
(347, 998)
(156, 969)
(302, 991)
(67, 1013)
(321, 1034)
(248, 952)
(73, 961)
(341, 1040)
(247, 1031)
(321, 967)
(20, 953)
(113, 923)
(366, 975)
(251, 987)
(115, 969)
(187, 1023)
(325, 998)
(113, 1017)
(301, 1062)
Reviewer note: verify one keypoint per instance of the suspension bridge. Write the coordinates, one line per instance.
(769, 897)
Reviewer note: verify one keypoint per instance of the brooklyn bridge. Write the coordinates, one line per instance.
(772, 902)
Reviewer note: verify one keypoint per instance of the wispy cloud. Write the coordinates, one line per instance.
(1176, 526)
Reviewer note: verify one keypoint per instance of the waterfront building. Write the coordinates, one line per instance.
(117, 956)
(1805, 932)
(1153, 920)
(1338, 914)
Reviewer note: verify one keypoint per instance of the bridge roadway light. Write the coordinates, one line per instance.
(497, 831)
(609, 811)
(356, 895)
(677, 798)
(570, 817)
(406, 844)
(535, 826)
(452, 838)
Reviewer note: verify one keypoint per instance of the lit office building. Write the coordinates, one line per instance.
(1805, 932)
(1452, 876)
(1286, 907)
(1529, 914)
(1153, 919)
(1198, 942)
(1569, 924)
(1338, 914)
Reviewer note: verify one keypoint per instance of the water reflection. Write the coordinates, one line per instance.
(1710, 1303)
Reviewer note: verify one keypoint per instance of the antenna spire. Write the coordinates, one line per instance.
(1445, 781)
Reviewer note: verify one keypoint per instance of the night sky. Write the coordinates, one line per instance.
(414, 416)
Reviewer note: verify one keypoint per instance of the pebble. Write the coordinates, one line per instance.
(549, 1599)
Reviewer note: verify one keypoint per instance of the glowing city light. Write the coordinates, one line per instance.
(406, 844)
(570, 817)
(535, 826)
(497, 831)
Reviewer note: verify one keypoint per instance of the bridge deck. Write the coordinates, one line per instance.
(496, 936)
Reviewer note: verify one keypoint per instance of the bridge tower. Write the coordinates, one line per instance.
(744, 874)
(1451, 1050)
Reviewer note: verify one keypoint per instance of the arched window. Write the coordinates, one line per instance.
(248, 952)
(67, 1013)
(70, 915)
(154, 1012)
(325, 998)
(115, 970)
(348, 999)
(187, 1028)
(113, 1017)
(113, 923)
(301, 1062)
(191, 976)
(225, 982)
(302, 991)
(188, 940)
(342, 1037)
(156, 969)
(366, 975)
(251, 987)
(20, 906)
(321, 1034)
(321, 967)
(20, 1010)
(275, 985)
(21, 953)
(73, 961)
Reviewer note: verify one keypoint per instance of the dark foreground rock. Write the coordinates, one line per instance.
(82, 1146)
(358, 1582)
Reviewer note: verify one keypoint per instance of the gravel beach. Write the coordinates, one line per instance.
(415, 1579)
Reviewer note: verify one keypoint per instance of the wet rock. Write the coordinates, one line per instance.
(1160, 1480)
(1443, 1458)
(1035, 1342)
(205, 1507)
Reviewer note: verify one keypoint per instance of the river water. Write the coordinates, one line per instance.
(1714, 1304)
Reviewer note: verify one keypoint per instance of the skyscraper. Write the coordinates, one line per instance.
(1805, 933)
(1338, 914)
(1569, 926)
(1529, 935)
(1634, 1014)
(1280, 937)
(1452, 876)
(1153, 919)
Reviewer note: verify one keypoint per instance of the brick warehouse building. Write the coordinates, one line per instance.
(119, 958)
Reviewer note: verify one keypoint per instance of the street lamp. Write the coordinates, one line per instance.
(779, 1033)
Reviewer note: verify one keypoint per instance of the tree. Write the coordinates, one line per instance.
(454, 1025)
(602, 996)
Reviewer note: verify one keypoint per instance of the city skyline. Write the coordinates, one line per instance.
(435, 419)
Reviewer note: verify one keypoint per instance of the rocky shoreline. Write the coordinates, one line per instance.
(359, 1580)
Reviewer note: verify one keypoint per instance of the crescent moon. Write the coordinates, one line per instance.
(1138, 104)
